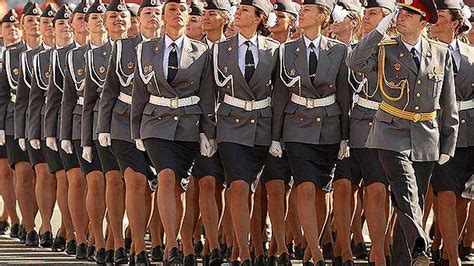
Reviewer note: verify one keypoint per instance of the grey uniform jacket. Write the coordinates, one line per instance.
(38, 91)
(97, 63)
(430, 89)
(71, 108)
(235, 124)
(464, 81)
(55, 91)
(9, 83)
(194, 78)
(319, 125)
(364, 85)
(23, 91)
(114, 114)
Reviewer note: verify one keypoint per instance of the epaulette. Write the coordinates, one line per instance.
(387, 42)
(336, 41)
(436, 42)
(197, 42)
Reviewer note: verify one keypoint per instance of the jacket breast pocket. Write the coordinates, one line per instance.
(384, 117)
(437, 81)
(149, 109)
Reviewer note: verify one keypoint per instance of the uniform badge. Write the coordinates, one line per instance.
(401, 54)
(46, 74)
(102, 70)
(147, 68)
(104, 53)
(292, 72)
(397, 66)
(80, 71)
(229, 49)
(297, 49)
(437, 70)
(130, 65)
(157, 48)
(16, 71)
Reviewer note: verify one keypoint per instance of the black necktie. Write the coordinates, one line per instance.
(249, 63)
(172, 63)
(313, 62)
(415, 58)
(455, 67)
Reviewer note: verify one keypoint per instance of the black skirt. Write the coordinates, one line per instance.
(3, 152)
(70, 161)
(368, 163)
(128, 155)
(35, 156)
(242, 162)
(312, 163)
(205, 166)
(455, 173)
(87, 167)
(14, 152)
(277, 169)
(52, 158)
(107, 158)
(175, 155)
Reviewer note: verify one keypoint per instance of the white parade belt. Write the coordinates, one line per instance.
(465, 105)
(173, 103)
(80, 100)
(125, 98)
(313, 103)
(12, 97)
(247, 105)
(369, 104)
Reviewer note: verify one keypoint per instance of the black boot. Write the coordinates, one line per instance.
(337, 261)
(299, 252)
(198, 247)
(206, 259)
(132, 259)
(328, 253)
(157, 253)
(215, 258)
(46, 239)
(32, 239)
(59, 244)
(348, 263)
(22, 234)
(71, 247)
(14, 231)
(121, 256)
(109, 256)
(174, 257)
(100, 256)
(81, 252)
(190, 260)
(142, 259)
(272, 261)
(284, 259)
(4, 225)
(260, 261)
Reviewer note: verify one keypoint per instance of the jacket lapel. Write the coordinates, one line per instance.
(232, 56)
(405, 57)
(324, 61)
(463, 73)
(263, 59)
(187, 58)
(159, 51)
(301, 64)
(425, 58)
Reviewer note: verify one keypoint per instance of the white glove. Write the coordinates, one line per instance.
(206, 148)
(343, 150)
(22, 143)
(51, 143)
(139, 144)
(214, 147)
(87, 153)
(275, 149)
(2, 137)
(443, 158)
(35, 144)
(66, 145)
(386, 21)
(105, 139)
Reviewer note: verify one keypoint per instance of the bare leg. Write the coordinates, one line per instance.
(95, 204)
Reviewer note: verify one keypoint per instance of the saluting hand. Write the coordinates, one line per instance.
(384, 24)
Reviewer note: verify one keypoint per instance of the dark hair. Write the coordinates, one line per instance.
(457, 15)
(262, 27)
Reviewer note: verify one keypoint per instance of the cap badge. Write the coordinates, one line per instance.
(80, 71)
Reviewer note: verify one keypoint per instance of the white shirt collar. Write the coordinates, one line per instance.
(453, 46)
(93, 46)
(210, 43)
(178, 42)
(417, 46)
(252, 39)
(28, 47)
(144, 39)
(315, 42)
(46, 47)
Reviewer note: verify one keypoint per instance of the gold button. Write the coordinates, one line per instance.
(237, 120)
(417, 108)
(301, 118)
(228, 87)
(370, 124)
(318, 119)
(175, 118)
(159, 118)
(330, 85)
(418, 81)
(252, 121)
(192, 82)
(418, 94)
(463, 121)
(401, 54)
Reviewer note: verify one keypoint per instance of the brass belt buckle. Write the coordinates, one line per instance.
(248, 106)
(174, 103)
(416, 117)
(309, 103)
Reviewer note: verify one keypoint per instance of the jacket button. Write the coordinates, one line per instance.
(330, 85)
(370, 124)
(318, 119)
(159, 118)
(237, 120)
(192, 82)
(252, 121)
(301, 118)
(175, 118)
(417, 108)
(418, 94)
(227, 87)
(418, 81)
(463, 121)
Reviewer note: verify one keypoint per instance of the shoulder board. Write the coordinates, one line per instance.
(335, 41)
(388, 42)
(445, 45)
